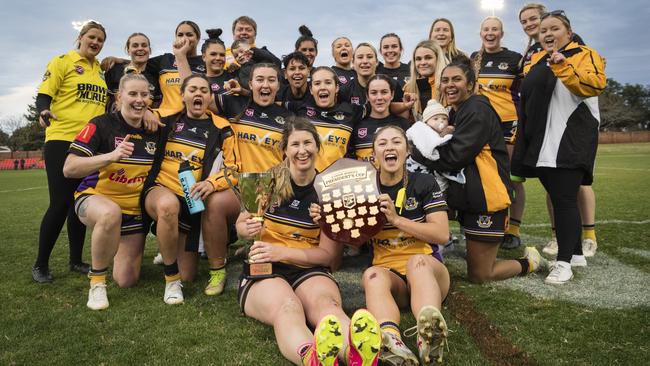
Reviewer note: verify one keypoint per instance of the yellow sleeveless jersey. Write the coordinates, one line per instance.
(499, 80)
(78, 92)
(392, 248)
(122, 181)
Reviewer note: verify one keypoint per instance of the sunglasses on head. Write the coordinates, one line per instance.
(555, 13)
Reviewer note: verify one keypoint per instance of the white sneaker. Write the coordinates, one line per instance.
(158, 259)
(589, 247)
(560, 273)
(97, 299)
(551, 247)
(578, 261)
(173, 293)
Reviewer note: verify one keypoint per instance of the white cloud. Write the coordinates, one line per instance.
(17, 99)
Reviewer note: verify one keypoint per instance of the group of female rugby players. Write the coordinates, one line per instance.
(476, 125)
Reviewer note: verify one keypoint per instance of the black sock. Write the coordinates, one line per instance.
(524, 266)
(171, 269)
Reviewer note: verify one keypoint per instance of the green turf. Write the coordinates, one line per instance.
(49, 324)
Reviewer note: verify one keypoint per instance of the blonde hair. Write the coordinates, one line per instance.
(478, 59)
(452, 50)
(532, 6)
(412, 85)
(87, 26)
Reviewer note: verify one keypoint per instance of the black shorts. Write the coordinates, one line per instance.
(509, 130)
(131, 224)
(484, 227)
(293, 275)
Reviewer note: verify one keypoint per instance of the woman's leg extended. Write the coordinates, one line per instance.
(105, 218)
(385, 292)
(163, 206)
(428, 280)
(128, 260)
(272, 301)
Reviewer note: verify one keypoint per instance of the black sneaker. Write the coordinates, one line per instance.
(42, 275)
(82, 267)
(510, 242)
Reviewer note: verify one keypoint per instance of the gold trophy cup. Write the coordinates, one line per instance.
(256, 192)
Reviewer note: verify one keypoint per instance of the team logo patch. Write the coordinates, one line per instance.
(215, 87)
(363, 132)
(249, 112)
(279, 119)
(201, 68)
(179, 127)
(342, 79)
(295, 204)
(311, 112)
(121, 171)
(47, 75)
(118, 140)
(488, 64)
(79, 69)
(411, 204)
(355, 100)
(339, 116)
(503, 66)
(484, 221)
(264, 115)
(150, 147)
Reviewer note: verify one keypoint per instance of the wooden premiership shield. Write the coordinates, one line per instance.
(348, 193)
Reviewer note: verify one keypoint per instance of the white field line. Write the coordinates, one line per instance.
(600, 222)
(23, 189)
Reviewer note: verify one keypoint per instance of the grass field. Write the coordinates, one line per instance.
(601, 318)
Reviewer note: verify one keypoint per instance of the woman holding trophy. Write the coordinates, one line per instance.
(300, 290)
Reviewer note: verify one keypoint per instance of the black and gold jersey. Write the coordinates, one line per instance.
(169, 80)
(392, 248)
(289, 224)
(121, 181)
(258, 131)
(499, 80)
(401, 75)
(186, 142)
(426, 87)
(334, 126)
(345, 76)
(115, 73)
(217, 82)
(356, 94)
(364, 133)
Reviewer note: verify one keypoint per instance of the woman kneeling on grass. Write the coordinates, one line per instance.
(406, 267)
(482, 202)
(115, 154)
(302, 291)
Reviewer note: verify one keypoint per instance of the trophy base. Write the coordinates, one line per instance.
(258, 270)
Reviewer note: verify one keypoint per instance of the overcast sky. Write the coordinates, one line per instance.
(32, 32)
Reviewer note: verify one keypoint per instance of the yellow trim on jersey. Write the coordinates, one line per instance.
(78, 92)
(496, 193)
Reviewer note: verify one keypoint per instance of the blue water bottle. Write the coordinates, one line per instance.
(187, 180)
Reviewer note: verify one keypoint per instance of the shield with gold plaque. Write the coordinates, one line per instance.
(256, 193)
(348, 193)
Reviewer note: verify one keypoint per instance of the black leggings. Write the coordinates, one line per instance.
(562, 186)
(61, 191)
